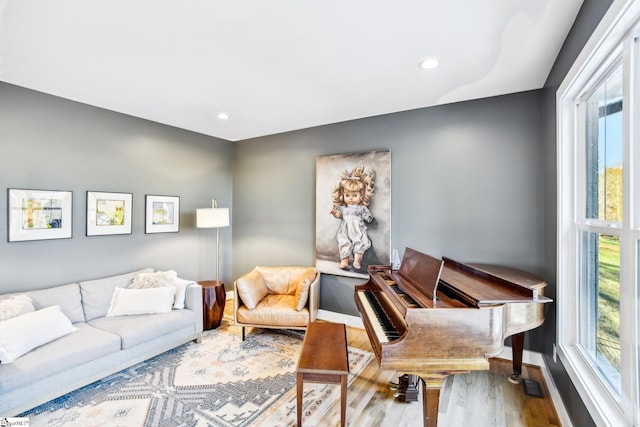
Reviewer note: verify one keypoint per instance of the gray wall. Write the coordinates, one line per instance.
(474, 181)
(466, 183)
(53, 144)
(590, 15)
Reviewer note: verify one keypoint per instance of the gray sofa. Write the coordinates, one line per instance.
(101, 345)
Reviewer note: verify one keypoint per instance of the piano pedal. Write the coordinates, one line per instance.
(514, 378)
(411, 397)
(400, 395)
(406, 397)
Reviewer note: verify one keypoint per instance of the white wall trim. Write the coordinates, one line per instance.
(332, 316)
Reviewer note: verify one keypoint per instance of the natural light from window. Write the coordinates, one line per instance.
(598, 238)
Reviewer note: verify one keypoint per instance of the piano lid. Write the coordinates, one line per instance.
(484, 284)
(422, 270)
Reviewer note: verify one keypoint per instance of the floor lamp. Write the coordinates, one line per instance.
(213, 217)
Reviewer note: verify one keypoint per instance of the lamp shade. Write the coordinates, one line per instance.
(212, 217)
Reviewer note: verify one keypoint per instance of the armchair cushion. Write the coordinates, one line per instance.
(252, 288)
(274, 310)
(277, 297)
(302, 289)
(278, 280)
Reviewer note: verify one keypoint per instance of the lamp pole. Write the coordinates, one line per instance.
(217, 254)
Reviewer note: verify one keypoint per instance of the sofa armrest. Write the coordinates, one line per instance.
(314, 297)
(193, 301)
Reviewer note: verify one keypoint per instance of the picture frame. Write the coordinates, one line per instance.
(39, 214)
(162, 214)
(109, 213)
(338, 252)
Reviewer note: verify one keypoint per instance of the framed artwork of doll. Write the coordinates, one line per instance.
(353, 212)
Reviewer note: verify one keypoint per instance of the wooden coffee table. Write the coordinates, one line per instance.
(324, 359)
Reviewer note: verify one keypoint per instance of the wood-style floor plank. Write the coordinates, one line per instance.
(476, 399)
(480, 398)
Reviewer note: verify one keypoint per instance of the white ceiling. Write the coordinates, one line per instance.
(277, 65)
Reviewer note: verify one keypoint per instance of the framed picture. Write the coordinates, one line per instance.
(162, 214)
(353, 212)
(39, 214)
(108, 213)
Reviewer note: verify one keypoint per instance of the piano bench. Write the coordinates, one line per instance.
(324, 359)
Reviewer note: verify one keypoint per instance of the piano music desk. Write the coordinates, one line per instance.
(324, 359)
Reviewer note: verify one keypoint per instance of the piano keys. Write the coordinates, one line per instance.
(434, 318)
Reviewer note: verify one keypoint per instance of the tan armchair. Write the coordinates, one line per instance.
(276, 297)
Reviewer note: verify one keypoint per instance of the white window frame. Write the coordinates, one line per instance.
(613, 39)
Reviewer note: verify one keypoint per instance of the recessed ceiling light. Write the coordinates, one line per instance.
(429, 63)
(223, 116)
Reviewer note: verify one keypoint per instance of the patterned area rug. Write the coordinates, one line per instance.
(221, 382)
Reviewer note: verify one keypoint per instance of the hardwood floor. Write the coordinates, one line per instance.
(481, 398)
(477, 399)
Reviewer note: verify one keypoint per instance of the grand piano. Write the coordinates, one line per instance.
(438, 317)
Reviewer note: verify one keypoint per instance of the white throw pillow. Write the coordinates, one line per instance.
(181, 291)
(22, 334)
(126, 302)
(15, 306)
(153, 280)
(160, 279)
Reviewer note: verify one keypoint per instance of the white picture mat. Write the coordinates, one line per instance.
(170, 204)
(98, 201)
(19, 230)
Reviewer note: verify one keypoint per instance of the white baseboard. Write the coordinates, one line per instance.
(530, 357)
(332, 316)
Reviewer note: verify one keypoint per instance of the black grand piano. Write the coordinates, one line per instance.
(438, 317)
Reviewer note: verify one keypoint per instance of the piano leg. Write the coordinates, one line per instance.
(431, 400)
(517, 347)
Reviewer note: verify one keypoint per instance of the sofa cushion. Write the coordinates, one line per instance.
(274, 310)
(160, 279)
(127, 302)
(66, 296)
(134, 330)
(251, 288)
(155, 279)
(15, 305)
(82, 346)
(23, 333)
(96, 294)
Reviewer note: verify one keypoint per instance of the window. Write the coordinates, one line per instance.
(599, 296)
(598, 212)
(598, 253)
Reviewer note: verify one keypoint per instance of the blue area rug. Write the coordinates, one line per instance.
(221, 382)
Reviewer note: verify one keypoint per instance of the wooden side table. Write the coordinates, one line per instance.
(213, 299)
(324, 359)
